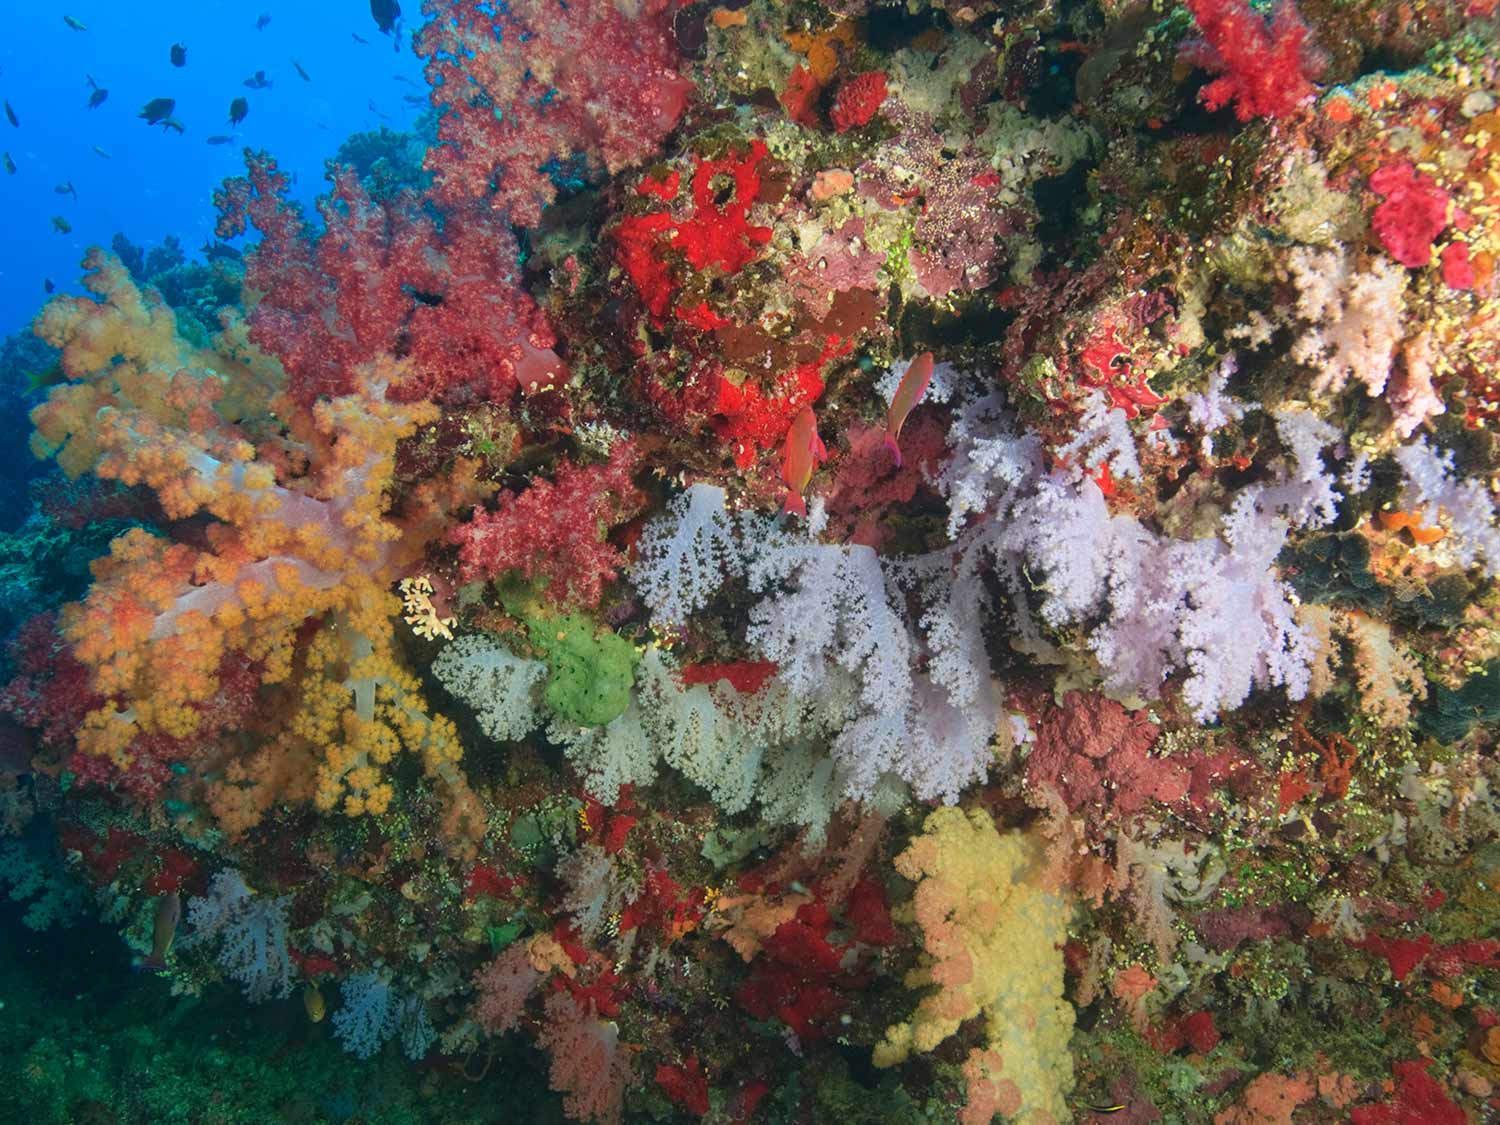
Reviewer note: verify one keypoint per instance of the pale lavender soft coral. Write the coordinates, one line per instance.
(1465, 506)
(251, 932)
(1153, 605)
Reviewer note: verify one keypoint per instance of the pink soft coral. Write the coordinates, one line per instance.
(533, 81)
(555, 530)
(1412, 214)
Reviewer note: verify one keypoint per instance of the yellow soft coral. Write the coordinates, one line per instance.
(993, 938)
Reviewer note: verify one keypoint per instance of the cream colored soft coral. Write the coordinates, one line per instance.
(994, 947)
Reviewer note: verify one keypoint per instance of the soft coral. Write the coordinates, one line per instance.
(1266, 70)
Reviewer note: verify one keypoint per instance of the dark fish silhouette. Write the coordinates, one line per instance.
(10, 165)
(238, 109)
(47, 286)
(214, 251)
(96, 99)
(61, 225)
(10, 115)
(260, 24)
(376, 111)
(76, 25)
(100, 152)
(413, 99)
(258, 81)
(179, 55)
(305, 76)
(405, 81)
(173, 123)
(157, 110)
(67, 189)
(359, 39)
(386, 13)
(219, 139)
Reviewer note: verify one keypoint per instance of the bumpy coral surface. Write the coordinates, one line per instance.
(818, 562)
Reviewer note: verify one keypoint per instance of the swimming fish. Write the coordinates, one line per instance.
(385, 13)
(801, 453)
(302, 73)
(313, 1002)
(238, 109)
(407, 81)
(220, 250)
(10, 165)
(173, 123)
(100, 152)
(53, 376)
(76, 25)
(61, 225)
(10, 115)
(178, 55)
(413, 99)
(219, 139)
(258, 81)
(67, 189)
(48, 286)
(163, 930)
(96, 99)
(358, 39)
(376, 111)
(260, 24)
(157, 110)
(910, 391)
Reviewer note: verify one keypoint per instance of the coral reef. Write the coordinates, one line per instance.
(803, 562)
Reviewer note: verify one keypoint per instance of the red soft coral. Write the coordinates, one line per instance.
(1265, 70)
(1420, 1100)
(530, 82)
(386, 279)
(556, 530)
(858, 100)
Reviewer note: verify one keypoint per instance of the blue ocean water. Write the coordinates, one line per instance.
(155, 181)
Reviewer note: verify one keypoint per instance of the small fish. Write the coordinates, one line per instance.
(238, 110)
(313, 1002)
(220, 139)
(178, 54)
(53, 376)
(76, 25)
(376, 111)
(298, 67)
(1105, 1108)
(413, 99)
(801, 453)
(67, 189)
(173, 123)
(359, 39)
(157, 110)
(10, 115)
(163, 930)
(96, 99)
(385, 14)
(910, 391)
(215, 251)
(407, 81)
(10, 165)
(61, 225)
(258, 81)
(48, 286)
(265, 18)
(100, 152)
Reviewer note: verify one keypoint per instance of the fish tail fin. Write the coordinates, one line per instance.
(890, 443)
(795, 504)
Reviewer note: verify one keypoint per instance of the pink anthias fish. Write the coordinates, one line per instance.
(908, 394)
(164, 929)
(803, 451)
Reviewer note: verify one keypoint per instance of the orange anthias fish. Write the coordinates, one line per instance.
(803, 451)
(908, 394)
(168, 912)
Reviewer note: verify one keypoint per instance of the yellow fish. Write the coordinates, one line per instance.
(312, 1000)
